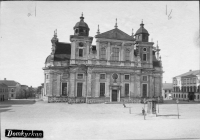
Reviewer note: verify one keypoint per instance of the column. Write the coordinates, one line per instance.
(73, 47)
(122, 84)
(119, 94)
(72, 84)
(132, 94)
(97, 85)
(50, 84)
(45, 85)
(108, 53)
(97, 48)
(58, 93)
(107, 84)
(89, 77)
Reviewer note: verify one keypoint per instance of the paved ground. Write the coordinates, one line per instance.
(61, 121)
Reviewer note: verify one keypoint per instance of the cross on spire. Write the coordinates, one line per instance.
(132, 32)
(82, 18)
(116, 23)
(98, 30)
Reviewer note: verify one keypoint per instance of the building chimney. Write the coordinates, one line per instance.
(4, 79)
(190, 70)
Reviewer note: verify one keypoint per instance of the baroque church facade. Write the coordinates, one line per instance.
(118, 67)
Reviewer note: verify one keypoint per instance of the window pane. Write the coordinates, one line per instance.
(127, 54)
(102, 89)
(126, 77)
(79, 89)
(80, 52)
(144, 78)
(103, 53)
(115, 54)
(144, 57)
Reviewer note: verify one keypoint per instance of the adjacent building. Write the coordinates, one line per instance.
(14, 88)
(187, 86)
(167, 91)
(119, 66)
(3, 92)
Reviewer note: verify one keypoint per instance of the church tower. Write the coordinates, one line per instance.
(80, 41)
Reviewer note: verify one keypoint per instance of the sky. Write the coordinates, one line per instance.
(27, 27)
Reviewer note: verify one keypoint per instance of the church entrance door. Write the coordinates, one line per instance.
(144, 90)
(114, 95)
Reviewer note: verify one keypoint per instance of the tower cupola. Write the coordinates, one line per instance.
(81, 28)
(142, 34)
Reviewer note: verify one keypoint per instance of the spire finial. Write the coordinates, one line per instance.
(116, 23)
(82, 16)
(142, 23)
(55, 33)
(98, 30)
(132, 32)
(157, 44)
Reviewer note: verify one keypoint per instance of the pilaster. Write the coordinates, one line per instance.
(97, 85)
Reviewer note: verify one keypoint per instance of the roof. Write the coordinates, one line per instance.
(9, 82)
(167, 86)
(141, 30)
(48, 59)
(81, 23)
(62, 52)
(115, 34)
(3, 85)
(190, 73)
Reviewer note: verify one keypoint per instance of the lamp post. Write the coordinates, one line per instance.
(144, 100)
(158, 103)
(177, 101)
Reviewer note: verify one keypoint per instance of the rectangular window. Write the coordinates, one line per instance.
(47, 76)
(126, 89)
(127, 55)
(144, 58)
(102, 76)
(144, 78)
(194, 80)
(11, 95)
(126, 77)
(80, 52)
(79, 76)
(79, 89)
(102, 89)
(115, 54)
(103, 53)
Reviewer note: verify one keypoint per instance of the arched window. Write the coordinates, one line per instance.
(103, 53)
(182, 96)
(179, 95)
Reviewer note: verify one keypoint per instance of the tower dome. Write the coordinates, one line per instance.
(81, 28)
(142, 34)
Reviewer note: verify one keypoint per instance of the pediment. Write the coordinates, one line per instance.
(116, 34)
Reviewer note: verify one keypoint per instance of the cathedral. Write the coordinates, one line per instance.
(119, 68)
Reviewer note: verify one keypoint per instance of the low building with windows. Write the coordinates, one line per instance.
(118, 67)
(167, 91)
(3, 92)
(14, 88)
(187, 86)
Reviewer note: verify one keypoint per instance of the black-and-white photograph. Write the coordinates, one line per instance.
(99, 70)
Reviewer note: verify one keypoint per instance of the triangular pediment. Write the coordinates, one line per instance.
(115, 34)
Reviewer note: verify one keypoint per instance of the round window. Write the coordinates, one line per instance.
(115, 76)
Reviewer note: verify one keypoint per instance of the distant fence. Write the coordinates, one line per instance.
(91, 100)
